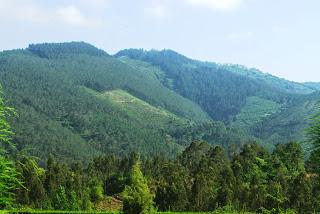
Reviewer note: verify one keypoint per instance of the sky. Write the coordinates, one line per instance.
(280, 37)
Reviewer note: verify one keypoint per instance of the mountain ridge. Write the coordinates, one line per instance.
(68, 89)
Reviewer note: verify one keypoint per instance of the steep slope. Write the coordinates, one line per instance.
(220, 92)
(255, 111)
(57, 116)
(76, 105)
(290, 123)
(246, 98)
(76, 102)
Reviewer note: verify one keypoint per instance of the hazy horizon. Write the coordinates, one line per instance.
(276, 37)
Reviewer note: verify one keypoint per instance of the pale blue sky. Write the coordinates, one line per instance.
(280, 37)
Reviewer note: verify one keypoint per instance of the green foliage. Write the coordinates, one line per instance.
(301, 195)
(32, 177)
(313, 133)
(290, 122)
(254, 111)
(74, 203)
(9, 177)
(59, 91)
(9, 181)
(137, 196)
(229, 92)
(313, 85)
(96, 192)
(77, 103)
(74, 102)
(5, 129)
(48, 50)
(203, 178)
(60, 202)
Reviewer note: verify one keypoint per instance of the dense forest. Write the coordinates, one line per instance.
(202, 178)
(78, 102)
(145, 131)
(226, 92)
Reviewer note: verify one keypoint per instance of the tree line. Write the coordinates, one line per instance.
(202, 178)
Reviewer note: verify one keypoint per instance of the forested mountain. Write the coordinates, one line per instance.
(75, 101)
(270, 108)
(313, 85)
(276, 82)
(218, 91)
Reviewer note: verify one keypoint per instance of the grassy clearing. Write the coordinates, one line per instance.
(255, 110)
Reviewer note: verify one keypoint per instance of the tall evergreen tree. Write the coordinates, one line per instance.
(137, 196)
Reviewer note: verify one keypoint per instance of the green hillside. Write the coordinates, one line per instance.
(138, 109)
(76, 102)
(68, 101)
(290, 123)
(313, 85)
(273, 81)
(146, 129)
(221, 93)
(237, 95)
(255, 111)
(57, 116)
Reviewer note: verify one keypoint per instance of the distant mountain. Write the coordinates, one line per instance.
(276, 82)
(313, 85)
(76, 102)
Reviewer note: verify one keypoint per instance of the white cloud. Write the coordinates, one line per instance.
(157, 11)
(22, 10)
(241, 36)
(223, 5)
(72, 16)
(32, 11)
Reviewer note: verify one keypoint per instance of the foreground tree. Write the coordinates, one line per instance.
(9, 178)
(137, 196)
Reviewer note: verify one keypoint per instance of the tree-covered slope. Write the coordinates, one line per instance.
(273, 81)
(220, 92)
(246, 98)
(254, 111)
(76, 102)
(74, 105)
(290, 123)
(313, 85)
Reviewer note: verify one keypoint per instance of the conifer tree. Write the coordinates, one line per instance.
(137, 196)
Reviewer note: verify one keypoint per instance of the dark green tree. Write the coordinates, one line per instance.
(301, 194)
(33, 192)
(314, 137)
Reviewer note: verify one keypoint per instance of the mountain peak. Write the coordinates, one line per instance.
(55, 50)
